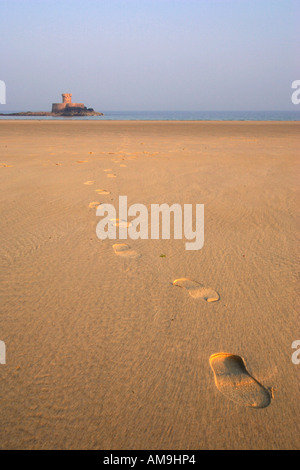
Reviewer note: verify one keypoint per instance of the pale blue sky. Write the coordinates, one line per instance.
(150, 54)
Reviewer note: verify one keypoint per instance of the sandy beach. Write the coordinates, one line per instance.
(109, 352)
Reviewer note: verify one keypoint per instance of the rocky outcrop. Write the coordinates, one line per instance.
(69, 112)
(74, 111)
(65, 109)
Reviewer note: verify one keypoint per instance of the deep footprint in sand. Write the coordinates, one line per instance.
(125, 251)
(111, 175)
(196, 290)
(234, 381)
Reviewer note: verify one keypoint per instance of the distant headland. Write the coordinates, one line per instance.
(65, 109)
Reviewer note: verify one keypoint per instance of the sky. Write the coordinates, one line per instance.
(150, 54)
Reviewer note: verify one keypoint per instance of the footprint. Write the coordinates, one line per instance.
(81, 161)
(123, 166)
(94, 204)
(196, 290)
(121, 249)
(102, 191)
(120, 223)
(234, 381)
(89, 182)
(111, 175)
(108, 169)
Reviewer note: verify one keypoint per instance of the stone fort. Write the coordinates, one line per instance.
(66, 104)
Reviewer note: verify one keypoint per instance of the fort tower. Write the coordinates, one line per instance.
(67, 98)
(66, 104)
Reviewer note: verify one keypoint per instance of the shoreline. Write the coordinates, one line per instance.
(151, 121)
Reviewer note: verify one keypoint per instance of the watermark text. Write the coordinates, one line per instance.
(296, 95)
(2, 353)
(296, 354)
(154, 225)
(2, 92)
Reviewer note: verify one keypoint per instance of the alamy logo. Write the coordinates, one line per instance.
(296, 354)
(2, 353)
(2, 92)
(145, 225)
(296, 94)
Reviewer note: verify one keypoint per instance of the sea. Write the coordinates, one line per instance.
(174, 116)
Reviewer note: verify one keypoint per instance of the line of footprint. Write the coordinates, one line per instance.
(231, 376)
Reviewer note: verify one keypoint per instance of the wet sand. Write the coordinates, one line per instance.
(113, 347)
